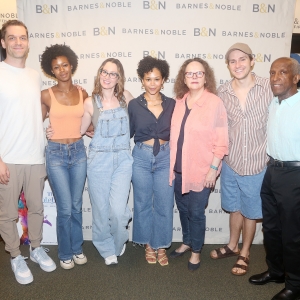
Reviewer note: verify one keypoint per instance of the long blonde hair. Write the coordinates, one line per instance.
(119, 88)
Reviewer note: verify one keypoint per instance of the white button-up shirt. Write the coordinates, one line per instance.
(283, 129)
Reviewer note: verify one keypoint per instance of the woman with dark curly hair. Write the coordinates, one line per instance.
(109, 161)
(65, 154)
(199, 140)
(150, 119)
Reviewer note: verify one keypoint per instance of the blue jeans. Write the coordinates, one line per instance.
(66, 170)
(191, 208)
(153, 197)
(241, 193)
(109, 177)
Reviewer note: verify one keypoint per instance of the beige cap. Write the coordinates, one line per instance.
(239, 46)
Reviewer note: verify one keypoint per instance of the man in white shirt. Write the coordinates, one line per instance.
(280, 191)
(21, 150)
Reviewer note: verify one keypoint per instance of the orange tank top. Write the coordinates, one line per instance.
(65, 120)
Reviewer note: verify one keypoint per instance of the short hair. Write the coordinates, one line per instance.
(12, 23)
(295, 66)
(55, 51)
(180, 88)
(148, 63)
(119, 88)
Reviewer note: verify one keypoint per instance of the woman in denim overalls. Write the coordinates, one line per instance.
(109, 162)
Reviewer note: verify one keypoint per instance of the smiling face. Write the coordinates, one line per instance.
(283, 79)
(153, 81)
(106, 81)
(16, 42)
(195, 83)
(61, 68)
(239, 64)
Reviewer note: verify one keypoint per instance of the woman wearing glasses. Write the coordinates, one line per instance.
(198, 142)
(150, 119)
(109, 165)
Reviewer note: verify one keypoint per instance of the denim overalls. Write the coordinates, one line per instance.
(109, 173)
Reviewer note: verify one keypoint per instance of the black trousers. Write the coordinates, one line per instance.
(280, 195)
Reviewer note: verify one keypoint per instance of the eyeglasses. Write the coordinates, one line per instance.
(198, 74)
(112, 75)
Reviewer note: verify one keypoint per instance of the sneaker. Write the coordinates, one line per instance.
(123, 250)
(111, 260)
(38, 255)
(21, 270)
(80, 259)
(67, 264)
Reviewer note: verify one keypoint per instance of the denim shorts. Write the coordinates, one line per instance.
(241, 193)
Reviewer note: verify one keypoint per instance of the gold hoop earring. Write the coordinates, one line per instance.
(162, 88)
(142, 87)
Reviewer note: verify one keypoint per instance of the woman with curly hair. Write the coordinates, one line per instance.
(150, 119)
(65, 153)
(199, 140)
(109, 165)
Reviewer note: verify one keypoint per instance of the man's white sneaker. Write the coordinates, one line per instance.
(111, 260)
(123, 250)
(38, 255)
(21, 270)
(80, 259)
(67, 264)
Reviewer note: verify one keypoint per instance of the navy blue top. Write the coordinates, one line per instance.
(145, 126)
(178, 161)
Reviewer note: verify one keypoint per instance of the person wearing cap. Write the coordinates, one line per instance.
(281, 185)
(246, 98)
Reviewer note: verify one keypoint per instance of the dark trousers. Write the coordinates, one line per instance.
(280, 194)
(191, 208)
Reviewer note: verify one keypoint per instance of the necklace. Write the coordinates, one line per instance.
(71, 89)
(160, 101)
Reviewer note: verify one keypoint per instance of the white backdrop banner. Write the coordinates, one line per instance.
(297, 17)
(171, 30)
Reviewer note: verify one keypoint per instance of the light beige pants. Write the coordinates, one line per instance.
(31, 178)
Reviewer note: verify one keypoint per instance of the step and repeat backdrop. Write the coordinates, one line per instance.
(174, 30)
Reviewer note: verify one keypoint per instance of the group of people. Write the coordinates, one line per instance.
(179, 148)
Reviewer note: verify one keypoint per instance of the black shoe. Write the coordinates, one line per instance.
(287, 295)
(263, 278)
(175, 254)
(193, 267)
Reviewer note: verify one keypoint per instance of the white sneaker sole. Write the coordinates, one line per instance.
(111, 261)
(43, 267)
(79, 261)
(67, 266)
(22, 280)
(123, 250)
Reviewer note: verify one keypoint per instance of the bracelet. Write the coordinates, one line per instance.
(213, 167)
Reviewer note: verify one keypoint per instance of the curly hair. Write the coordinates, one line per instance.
(55, 51)
(180, 88)
(119, 88)
(148, 63)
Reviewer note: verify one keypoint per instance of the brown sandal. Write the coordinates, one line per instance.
(228, 252)
(150, 255)
(242, 267)
(163, 260)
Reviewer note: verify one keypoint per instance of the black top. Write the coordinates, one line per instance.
(178, 161)
(145, 126)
